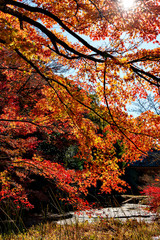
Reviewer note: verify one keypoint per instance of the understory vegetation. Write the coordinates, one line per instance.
(100, 230)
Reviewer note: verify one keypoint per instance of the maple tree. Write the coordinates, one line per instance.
(38, 39)
(152, 191)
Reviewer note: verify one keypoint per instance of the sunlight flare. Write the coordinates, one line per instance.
(127, 4)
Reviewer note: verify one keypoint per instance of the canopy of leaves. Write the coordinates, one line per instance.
(97, 46)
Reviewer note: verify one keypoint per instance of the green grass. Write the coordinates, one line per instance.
(103, 229)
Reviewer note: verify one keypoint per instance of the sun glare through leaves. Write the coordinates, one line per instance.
(127, 4)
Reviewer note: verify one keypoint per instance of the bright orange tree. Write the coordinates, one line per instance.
(99, 44)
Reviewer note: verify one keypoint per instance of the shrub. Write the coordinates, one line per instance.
(153, 193)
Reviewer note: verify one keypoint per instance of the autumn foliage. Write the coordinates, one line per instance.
(153, 193)
(57, 55)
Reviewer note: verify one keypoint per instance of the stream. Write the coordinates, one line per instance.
(126, 211)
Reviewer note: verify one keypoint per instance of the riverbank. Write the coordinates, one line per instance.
(99, 229)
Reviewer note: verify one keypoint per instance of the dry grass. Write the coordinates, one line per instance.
(100, 230)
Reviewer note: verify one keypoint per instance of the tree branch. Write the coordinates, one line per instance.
(55, 18)
(53, 37)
